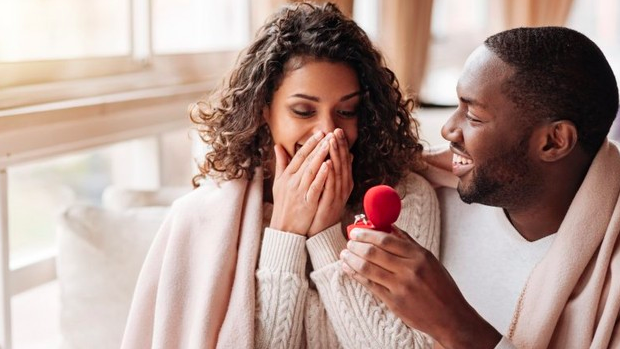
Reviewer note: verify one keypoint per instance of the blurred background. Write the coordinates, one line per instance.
(93, 105)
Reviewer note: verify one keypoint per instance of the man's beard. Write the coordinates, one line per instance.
(506, 180)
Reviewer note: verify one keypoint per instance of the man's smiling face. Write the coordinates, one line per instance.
(489, 137)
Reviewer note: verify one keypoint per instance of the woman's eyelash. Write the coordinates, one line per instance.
(306, 113)
(303, 112)
(347, 112)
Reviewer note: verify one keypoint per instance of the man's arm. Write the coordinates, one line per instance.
(417, 288)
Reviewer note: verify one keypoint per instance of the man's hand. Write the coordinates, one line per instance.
(416, 287)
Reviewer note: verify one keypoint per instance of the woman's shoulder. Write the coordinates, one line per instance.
(413, 184)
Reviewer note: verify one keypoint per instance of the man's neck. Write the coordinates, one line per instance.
(534, 223)
(545, 213)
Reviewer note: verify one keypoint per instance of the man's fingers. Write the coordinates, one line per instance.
(440, 156)
(402, 234)
(395, 244)
(366, 269)
(377, 289)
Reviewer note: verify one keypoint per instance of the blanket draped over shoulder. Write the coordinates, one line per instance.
(197, 286)
(572, 297)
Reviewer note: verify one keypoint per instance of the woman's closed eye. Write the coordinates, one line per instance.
(304, 113)
(347, 113)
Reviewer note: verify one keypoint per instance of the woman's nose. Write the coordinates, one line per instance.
(326, 124)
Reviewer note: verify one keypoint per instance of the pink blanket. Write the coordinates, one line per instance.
(196, 288)
(572, 297)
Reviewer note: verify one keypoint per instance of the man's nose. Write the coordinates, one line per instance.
(451, 131)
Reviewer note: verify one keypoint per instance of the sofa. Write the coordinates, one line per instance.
(100, 252)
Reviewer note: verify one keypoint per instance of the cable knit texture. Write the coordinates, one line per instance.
(340, 312)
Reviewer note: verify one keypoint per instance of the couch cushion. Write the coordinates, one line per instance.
(116, 197)
(100, 255)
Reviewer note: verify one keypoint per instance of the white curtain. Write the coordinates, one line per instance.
(534, 13)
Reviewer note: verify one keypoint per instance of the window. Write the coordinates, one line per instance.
(63, 29)
(44, 188)
(90, 91)
(139, 45)
(199, 25)
(600, 21)
(457, 28)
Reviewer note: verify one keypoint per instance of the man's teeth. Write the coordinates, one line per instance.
(457, 159)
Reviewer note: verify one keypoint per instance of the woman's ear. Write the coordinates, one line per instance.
(266, 114)
(557, 140)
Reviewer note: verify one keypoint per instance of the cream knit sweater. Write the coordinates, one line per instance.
(338, 312)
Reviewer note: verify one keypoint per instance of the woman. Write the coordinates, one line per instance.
(309, 119)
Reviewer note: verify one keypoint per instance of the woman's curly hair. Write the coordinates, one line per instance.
(231, 122)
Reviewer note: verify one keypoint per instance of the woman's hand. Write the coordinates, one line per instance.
(338, 186)
(298, 184)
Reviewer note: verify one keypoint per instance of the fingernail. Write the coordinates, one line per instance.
(340, 133)
(318, 135)
(354, 233)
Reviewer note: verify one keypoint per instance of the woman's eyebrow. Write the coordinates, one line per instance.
(350, 95)
(304, 96)
(317, 99)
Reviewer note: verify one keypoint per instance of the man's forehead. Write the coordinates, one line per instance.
(483, 61)
(484, 71)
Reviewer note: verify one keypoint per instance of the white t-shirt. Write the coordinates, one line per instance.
(489, 260)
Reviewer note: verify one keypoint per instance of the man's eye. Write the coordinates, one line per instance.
(471, 118)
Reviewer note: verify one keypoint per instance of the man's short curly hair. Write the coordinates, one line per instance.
(231, 123)
(560, 74)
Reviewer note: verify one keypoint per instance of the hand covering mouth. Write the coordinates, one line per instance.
(298, 146)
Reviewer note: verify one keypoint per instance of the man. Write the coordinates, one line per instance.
(534, 261)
